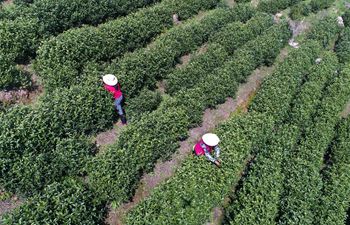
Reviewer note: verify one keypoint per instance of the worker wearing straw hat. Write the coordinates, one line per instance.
(111, 85)
(206, 145)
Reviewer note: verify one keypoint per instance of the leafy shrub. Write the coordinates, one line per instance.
(197, 187)
(69, 52)
(222, 44)
(31, 172)
(277, 90)
(317, 5)
(23, 26)
(82, 109)
(142, 67)
(55, 16)
(334, 200)
(35, 131)
(274, 6)
(300, 10)
(253, 204)
(19, 38)
(23, 1)
(346, 18)
(325, 31)
(200, 65)
(342, 46)
(145, 103)
(257, 202)
(115, 174)
(69, 202)
(10, 76)
(122, 165)
(304, 183)
(233, 35)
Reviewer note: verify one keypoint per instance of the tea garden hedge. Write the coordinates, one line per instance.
(292, 144)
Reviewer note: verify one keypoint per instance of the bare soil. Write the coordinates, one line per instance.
(211, 118)
(23, 96)
(298, 27)
(161, 87)
(7, 2)
(10, 204)
(108, 137)
(230, 3)
(346, 111)
(185, 59)
(255, 3)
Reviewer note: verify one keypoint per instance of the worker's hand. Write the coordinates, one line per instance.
(217, 163)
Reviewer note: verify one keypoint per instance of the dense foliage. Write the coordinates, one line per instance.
(274, 6)
(303, 184)
(82, 109)
(19, 37)
(144, 67)
(346, 18)
(325, 31)
(198, 186)
(342, 46)
(317, 5)
(32, 135)
(61, 59)
(220, 47)
(192, 102)
(334, 200)
(69, 202)
(56, 16)
(10, 75)
(24, 26)
(253, 204)
(277, 91)
(146, 102)
(300, 10)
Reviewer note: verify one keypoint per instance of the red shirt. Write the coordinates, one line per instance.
(115, 90)
(199, 150)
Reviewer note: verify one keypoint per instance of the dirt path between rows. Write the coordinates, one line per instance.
(7, 2)
(211, 118)
(108, 137)
(9, 204)
(24, 96)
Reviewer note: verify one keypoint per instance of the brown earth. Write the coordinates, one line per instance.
(108, 137)
(185, 59)
(346, 111)
(9, 204)
(23, 96)
(7, 2)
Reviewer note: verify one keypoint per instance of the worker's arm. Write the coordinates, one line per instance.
(207, 153)
(217, 151)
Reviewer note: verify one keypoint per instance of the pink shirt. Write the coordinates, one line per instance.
(115, 90)
(199, 150)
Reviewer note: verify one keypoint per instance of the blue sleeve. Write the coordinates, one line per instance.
(207, 154)
(217, 151)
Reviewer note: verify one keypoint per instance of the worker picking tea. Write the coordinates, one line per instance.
(206, 145)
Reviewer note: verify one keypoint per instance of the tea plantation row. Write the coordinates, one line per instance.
(62, 114)
(60, 60)
(23, 33)
(165, 119)
(197, 187)
(192, 197)
(24, 26)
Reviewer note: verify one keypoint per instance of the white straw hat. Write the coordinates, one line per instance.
(110, 79)
(211, 139)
